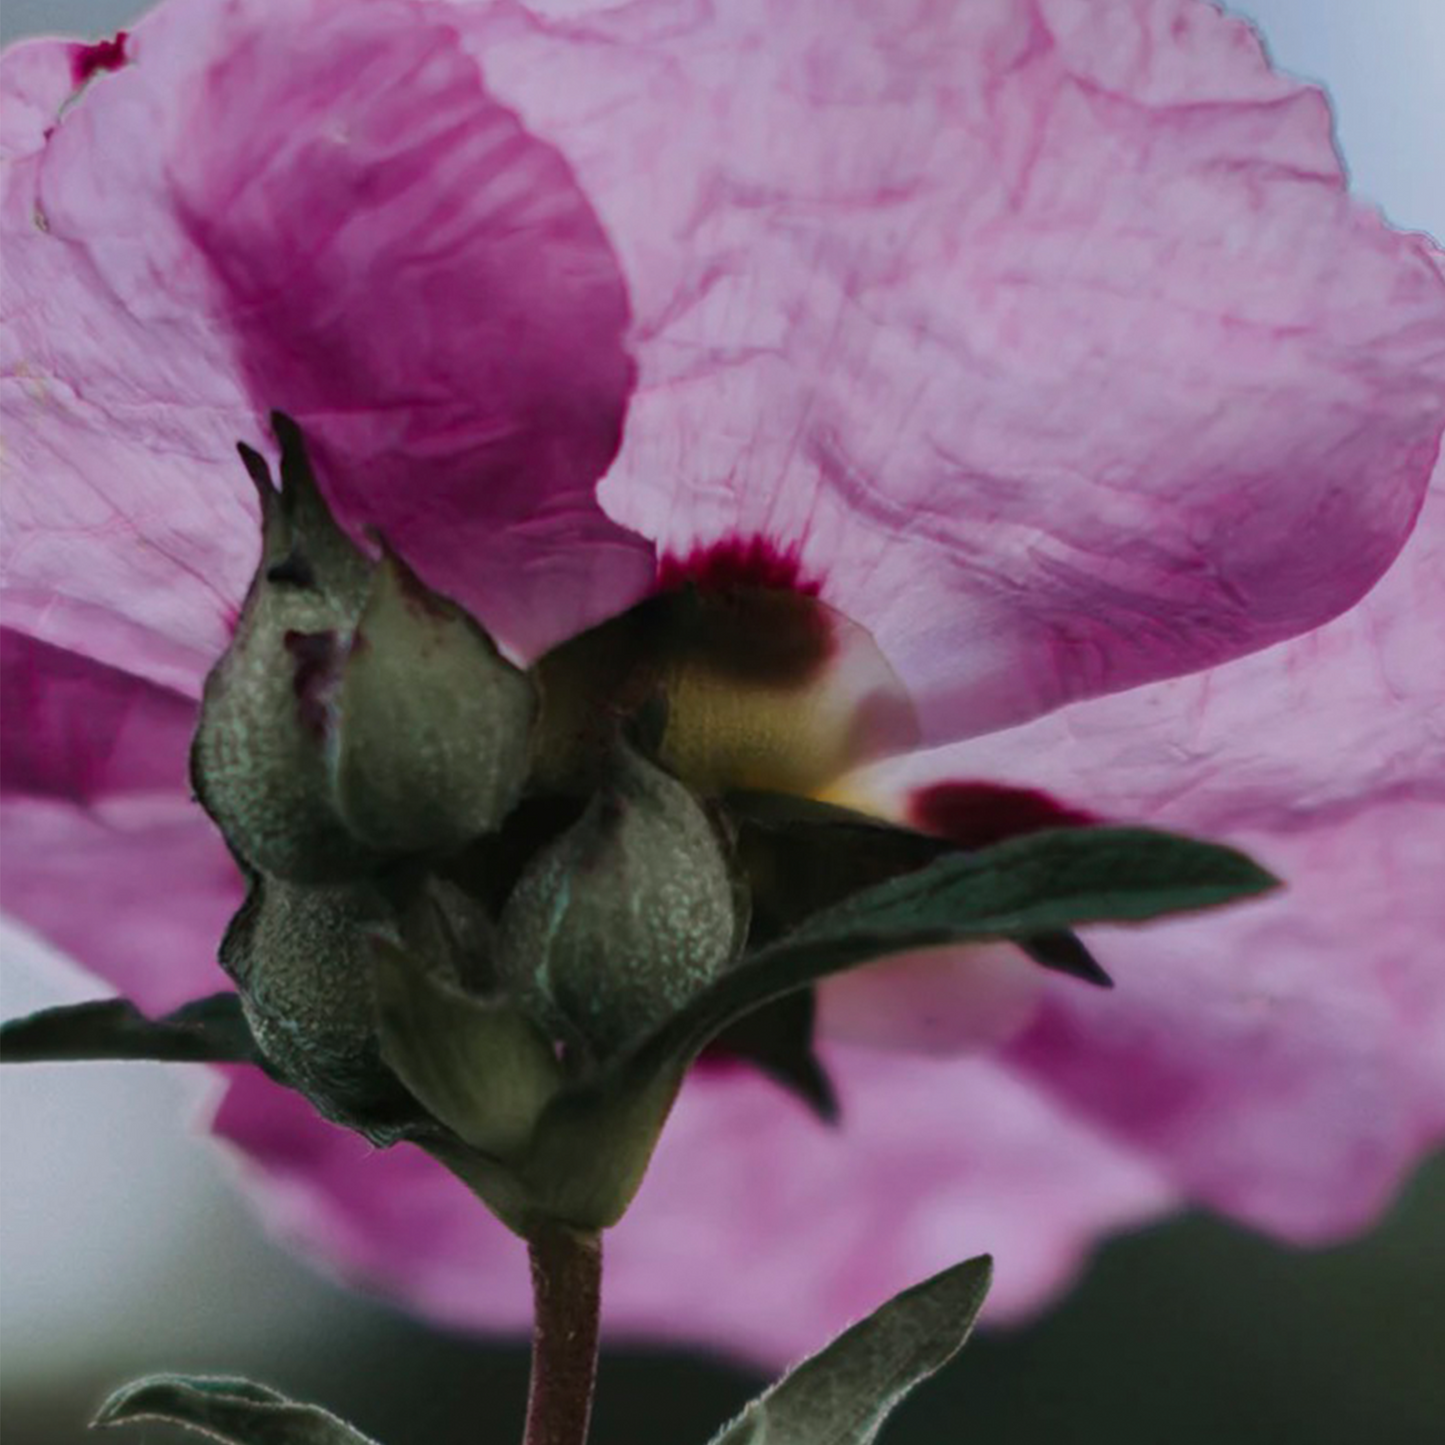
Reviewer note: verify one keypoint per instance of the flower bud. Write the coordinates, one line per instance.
(258, 762)
(304, 962)
(627, 915)
(300, 957)
(356, 716)
(433, 723)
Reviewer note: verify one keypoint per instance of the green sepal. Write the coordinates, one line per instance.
(593, 1146)
(627, 914)
(234, 1411)
(479, 1066)
(300, 957)
(585, 1160)
(210, 1030)
(845, 1393)
(433, 724)
(258, 761)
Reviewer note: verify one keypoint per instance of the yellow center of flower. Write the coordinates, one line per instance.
(752, 689)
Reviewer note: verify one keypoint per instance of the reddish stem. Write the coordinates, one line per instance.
(567, 1306)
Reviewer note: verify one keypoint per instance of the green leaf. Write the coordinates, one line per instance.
(593, 1141)
(236, 1412)
(778, 1039)
(845, 1393)
(210, 1030)
(802, 856)
(1064, 952)
(1040, 885)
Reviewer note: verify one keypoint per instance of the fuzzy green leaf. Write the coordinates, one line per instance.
(236, 1412)
(1043, 884)
(210, 1030)
(845, 1393)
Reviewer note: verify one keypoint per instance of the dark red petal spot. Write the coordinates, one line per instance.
(87, 61)
(743, 609)
(736, 562)
(975, 814)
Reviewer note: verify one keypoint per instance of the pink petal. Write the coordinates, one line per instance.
(102, 851)
(726, 1245)
(1048, 343)
(1284, 1061)
(937, 1001)
(1043, 335)
(316, 207)
(1304, 735)
(38, 78)
(79, 731)
(137, 890)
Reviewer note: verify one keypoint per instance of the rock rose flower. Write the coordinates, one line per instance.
(1037, 340)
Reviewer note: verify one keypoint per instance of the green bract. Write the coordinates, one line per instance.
(432, 722)
(626, 916)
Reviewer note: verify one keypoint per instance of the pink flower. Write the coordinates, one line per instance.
(1037, 338)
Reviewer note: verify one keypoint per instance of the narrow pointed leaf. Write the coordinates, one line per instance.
(845, 1393)
(802, 856)
(236, 1412)
(1065, 952)
(1040, 885)
(210, 1030)
(778, 1039)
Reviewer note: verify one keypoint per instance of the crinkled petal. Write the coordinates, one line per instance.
(102, 851)
(78, 731)
(935, 1159)
(39, 77)
(1285, 1060)
(317, 207)
(137, 891)
(1043, 335)
(1048, 347)
(1301, 736)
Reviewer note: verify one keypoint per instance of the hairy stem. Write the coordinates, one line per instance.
(567, 1303)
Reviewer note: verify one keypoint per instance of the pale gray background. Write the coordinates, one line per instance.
(124, 1250)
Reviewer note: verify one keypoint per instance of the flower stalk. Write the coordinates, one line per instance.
(567, 1307)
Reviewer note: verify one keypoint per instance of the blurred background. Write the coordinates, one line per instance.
(125, 1251)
